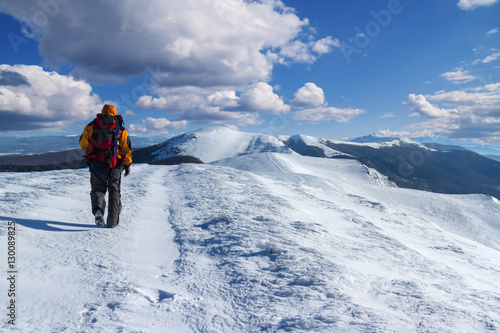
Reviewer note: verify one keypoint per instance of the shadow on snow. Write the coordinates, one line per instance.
(49, 225)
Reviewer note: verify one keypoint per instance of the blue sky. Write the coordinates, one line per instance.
(334, 69)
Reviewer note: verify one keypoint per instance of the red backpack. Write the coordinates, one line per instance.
(103, 143)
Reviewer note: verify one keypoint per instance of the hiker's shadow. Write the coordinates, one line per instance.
(47, 225)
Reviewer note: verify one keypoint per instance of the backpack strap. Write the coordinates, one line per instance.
(116, 139)
(119, 122)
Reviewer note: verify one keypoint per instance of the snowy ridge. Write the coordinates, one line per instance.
(217, 143)
(310, 141)
(385, 144)
(479, 148)
(263, 242)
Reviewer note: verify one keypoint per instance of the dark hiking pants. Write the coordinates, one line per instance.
(103, 181)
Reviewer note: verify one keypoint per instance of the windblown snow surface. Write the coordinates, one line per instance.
(262, 242)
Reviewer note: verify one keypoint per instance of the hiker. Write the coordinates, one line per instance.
(108, 153)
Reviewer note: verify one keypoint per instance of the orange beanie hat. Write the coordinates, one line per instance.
(109, 109)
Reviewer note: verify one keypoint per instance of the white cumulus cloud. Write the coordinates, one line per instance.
(260, 97)
(224, 99)
(157, 126)
(482, 100)
(422, 107)
(201, 106)
(192, 42)
(205, 105)
(471, 113)
(310, 99)
(210, 58)
(309, 95)
(325, 45)
(34, 99)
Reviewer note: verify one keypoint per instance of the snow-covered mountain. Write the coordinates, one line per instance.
(436, 168)
(217, 143)
(407, 163)
(259, 240)
(212, 144)
(440, 143)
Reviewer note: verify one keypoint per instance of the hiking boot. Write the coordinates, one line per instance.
(99, 219)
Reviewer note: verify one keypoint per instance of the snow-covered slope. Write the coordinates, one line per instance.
(263, 242)
(217, 143)
(310, 146)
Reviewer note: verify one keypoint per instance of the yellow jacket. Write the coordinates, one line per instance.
(124, 151)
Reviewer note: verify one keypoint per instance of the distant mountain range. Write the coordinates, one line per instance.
(441, 143)
(24, 145)
(438, 166)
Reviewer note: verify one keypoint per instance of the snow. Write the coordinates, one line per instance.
(216, 143)
(316, 142)
(387, 144)
(477, 147)
(266, 241)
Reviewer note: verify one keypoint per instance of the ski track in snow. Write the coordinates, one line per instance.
(257, 243)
